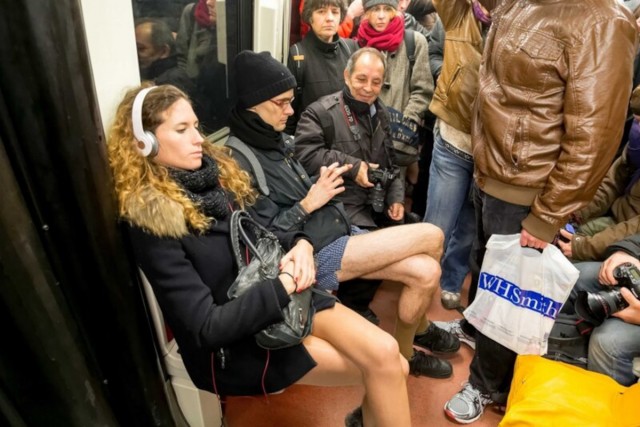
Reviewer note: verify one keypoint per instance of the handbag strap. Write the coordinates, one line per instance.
(240, 222)
(234, 226)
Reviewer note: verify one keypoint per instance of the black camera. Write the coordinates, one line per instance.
(595, 307)
(380, 178)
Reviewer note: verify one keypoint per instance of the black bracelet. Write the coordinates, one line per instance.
(292, 278)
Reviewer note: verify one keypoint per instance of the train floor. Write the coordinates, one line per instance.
(305, 406)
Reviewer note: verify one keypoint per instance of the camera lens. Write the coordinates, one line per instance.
(376, 198)
(597, 306)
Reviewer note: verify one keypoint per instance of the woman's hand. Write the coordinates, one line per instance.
(300, 264)
(355, 9)
(326, 187)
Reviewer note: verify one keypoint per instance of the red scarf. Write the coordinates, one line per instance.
(387, 40)
(201, 13)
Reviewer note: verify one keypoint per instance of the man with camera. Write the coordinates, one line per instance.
(606, 295)
(352, 127)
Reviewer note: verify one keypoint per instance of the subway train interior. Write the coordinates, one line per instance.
(84, 341)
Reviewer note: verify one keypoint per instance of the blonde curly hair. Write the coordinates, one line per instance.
(134, 174)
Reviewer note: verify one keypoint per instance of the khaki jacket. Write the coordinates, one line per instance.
(611, 199)
(457, 85)
(408, 91)
(551, 105)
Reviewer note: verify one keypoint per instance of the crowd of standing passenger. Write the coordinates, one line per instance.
(471, 117)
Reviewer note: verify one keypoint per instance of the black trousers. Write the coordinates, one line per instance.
(492, 364)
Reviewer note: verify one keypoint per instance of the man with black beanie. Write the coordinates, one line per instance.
(294, 202)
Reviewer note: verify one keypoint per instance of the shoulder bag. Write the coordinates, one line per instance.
(266, 253)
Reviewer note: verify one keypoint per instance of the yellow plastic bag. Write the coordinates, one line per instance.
(546, 393)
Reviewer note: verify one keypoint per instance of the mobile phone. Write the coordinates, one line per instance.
(570, 229)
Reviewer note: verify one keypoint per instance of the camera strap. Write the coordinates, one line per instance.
(351, 121)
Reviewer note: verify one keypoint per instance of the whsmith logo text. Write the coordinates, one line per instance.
(511, 292)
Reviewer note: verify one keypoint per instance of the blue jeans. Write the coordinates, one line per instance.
(450, 207)
(615, 343)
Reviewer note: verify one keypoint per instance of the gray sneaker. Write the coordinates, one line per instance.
(450, 300)
(467, 405)
(454, 328)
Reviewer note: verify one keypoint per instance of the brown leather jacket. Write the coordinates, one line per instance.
(458, 82)
(555, 82)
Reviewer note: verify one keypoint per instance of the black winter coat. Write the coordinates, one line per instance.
(190, 276)
(319, 70)
(323, 137)
(630, 245)
(288, 184)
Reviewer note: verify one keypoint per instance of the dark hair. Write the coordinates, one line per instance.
(312, 5)
(160, 33)
(353, 60)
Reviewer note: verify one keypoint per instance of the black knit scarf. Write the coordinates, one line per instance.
(362, 109)
(252, 130)
(203, 188)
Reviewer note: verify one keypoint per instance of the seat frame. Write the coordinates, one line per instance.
(199, 408)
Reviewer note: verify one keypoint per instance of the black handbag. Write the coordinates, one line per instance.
(266, 254)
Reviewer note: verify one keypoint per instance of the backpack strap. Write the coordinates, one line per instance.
(410, 44)
(298, 58)
(248, 160)
(349, 45)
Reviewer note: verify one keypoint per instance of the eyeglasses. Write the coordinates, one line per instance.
(283, 103)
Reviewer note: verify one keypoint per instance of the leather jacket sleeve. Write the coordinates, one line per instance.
(593, 115)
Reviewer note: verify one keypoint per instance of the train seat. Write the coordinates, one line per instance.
(200, 408)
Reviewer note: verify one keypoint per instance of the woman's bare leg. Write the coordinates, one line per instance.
(350, 350)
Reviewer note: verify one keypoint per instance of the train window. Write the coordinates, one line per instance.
(187, 44)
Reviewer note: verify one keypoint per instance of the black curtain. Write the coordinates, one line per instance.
(76, 347)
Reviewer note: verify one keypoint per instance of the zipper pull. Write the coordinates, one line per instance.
(222, 358)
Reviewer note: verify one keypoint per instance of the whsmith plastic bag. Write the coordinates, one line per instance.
(554, 394)
(520, 293)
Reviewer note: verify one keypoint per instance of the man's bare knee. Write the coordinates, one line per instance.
(422, 272)
(427, 235)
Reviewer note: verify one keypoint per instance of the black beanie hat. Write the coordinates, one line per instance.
(260, 77)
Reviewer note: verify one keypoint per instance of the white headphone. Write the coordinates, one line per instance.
(147, 142)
